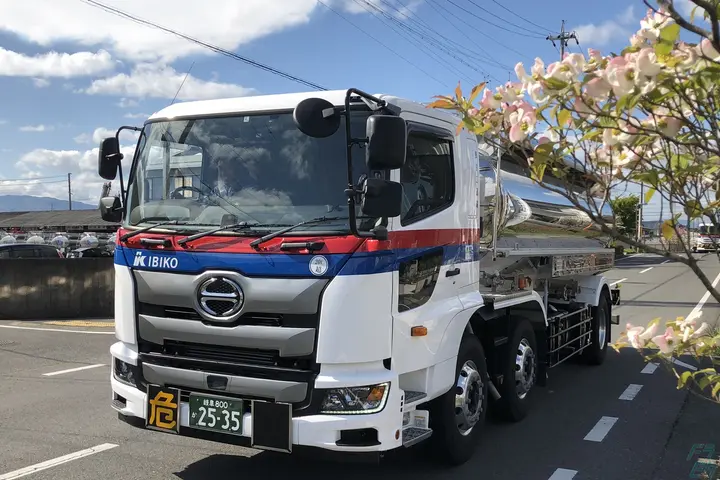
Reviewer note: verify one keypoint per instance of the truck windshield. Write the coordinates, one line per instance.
(258, 169)
(708, 230)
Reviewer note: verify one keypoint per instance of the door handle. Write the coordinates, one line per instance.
(453, 272)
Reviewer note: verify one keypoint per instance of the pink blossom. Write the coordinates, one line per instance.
(670, 126)
(706, 48)
(633, 334)
(648, 334)
(595, 54)
(701, 331)
(666, 342)
(522, 74)
(517, 133)
(473, 112)
(647, 63)
(536, 92)
(489, 101)
(620, 76)
(538, 69)
(598, 88)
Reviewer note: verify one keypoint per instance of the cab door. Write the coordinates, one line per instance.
(428, 242)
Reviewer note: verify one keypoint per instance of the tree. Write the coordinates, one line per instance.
(649, 115)
(625, 209)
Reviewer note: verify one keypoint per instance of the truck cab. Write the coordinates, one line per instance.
(307, 269)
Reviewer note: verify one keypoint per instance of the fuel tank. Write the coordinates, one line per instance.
(529, 215)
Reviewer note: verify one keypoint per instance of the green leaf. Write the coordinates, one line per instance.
(555, 84)
(682, 380)
(649, 194)
(476, 91)
(542, 153)
(693, 209)
(716, 390)
(537, 171)
(563, 117)
(666, 42)
(667, 229)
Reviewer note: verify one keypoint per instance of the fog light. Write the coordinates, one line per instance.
(356, 400)
(124, 372)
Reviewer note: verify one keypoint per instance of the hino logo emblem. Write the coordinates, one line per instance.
(220, 298)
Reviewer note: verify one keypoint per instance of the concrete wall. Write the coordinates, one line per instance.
(44, 288)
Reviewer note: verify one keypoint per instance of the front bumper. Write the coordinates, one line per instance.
(329, 432)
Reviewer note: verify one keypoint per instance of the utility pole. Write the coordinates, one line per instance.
(563, 38)
(640, 213)
(69, 192)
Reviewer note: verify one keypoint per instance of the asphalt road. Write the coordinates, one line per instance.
(617, 421)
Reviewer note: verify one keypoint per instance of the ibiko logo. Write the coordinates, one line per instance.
(154, 261)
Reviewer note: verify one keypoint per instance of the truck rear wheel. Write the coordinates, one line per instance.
(457, 417)
(519, 364)
(600, 323)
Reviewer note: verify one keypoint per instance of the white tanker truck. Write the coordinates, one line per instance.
(342, 271)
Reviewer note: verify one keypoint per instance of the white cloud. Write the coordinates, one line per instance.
(36, 128)
(54, 64)
(101, 133)
(147, 80)
(127, 103)
(41, 82)
(135, 116)
(618, 29)
(225, 23)
(3, 121)
(86, 184)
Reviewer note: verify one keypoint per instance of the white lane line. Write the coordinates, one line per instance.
(629, 256)
(630, 392)
(649, 368)
(563, 474)
(55, 330)
(699, 306)
(646, 270)
(683, 364)
(70, 370)
(599, 431)
(56, 461)
(666, 261)
(618, 281)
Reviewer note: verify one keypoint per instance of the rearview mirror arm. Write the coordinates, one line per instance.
(120, 155)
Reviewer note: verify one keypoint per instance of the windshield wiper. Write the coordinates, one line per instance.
(190, 238)
(148, 228)
(277, 233)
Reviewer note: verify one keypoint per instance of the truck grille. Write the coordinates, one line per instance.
(215, 353)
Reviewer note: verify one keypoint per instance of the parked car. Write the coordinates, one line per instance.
(29, 250)
(87, 252)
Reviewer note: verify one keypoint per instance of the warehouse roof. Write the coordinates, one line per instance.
(53, 218)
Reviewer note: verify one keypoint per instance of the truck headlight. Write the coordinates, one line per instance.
(124, 372)
(355, 400)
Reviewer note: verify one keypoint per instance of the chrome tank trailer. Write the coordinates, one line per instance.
(528, 215)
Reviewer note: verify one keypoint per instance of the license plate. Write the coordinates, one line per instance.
(217, 414)
(163, 409)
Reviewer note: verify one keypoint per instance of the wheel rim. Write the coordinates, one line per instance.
(602, 326)
(469, 398)
(524, 368)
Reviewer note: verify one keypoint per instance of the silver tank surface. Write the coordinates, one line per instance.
(529, 215)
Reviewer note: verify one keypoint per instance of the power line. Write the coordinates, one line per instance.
(491, 23)
(520, 16)
(503, 20)
(379, 42)
(462, 50)
(30, 179)
(473, 27)
(564, 37)
(426, 38)
(28, 183)
(431, 54)
(214, 48)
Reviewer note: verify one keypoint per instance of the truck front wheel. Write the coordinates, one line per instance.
(519, 365)
(457, 417)
(595, 353)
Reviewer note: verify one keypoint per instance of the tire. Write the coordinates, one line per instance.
(519, 369)
(596, 352)
(452, 442)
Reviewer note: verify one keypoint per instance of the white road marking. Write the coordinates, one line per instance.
(649, 368)
(683, 364)
(70, 370)
(630, 392)
(629, 256)
(666, 261)
(56, 330)
(599, 431)
(705, 298)
(56, 461)
(563, 474)
(646, 270)
(618, 281)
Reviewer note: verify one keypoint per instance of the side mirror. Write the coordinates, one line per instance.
(111, 209)
(387, 142)
(316, 117)
(381, 198)
(109, 158)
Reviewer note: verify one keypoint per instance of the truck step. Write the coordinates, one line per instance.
(413, 397)
(413, 435)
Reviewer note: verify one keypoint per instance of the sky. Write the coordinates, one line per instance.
(72, 73)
